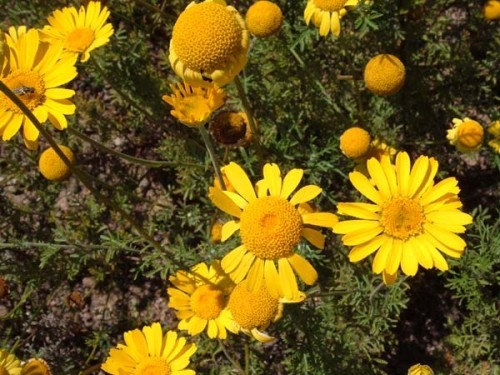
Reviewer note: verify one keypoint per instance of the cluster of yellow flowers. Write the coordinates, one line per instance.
(36, 63)
(11, 365)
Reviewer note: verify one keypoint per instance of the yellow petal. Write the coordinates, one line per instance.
(304, 269)
(378, 176)
(288, 283)
(449, 217)
(314, 236)
(240, 181)
(321, 219)
(419, 174)
(335, 24)
(290, 182)
(360, 210)
(380, 260)
(446, 186)
(256, 275)
(348, 226)
(272, 278)
(241, 270)
(305, 194)
(362, 251)
(394, 257)
(228, 229)
(450, 239)
(361, 236)
(403, 172)
(272, 176)
(409, 262)
(233, 258)
(223, 202)
(363, 185)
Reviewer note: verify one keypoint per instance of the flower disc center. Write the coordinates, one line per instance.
(208, 301)
(153, 366)
(330, 5)
(207, 36)
(27, 85)
(255, 309)
(80, 39)
(270, 227)
(402, 218)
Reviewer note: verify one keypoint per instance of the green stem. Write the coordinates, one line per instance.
(233, 361)
(146, 162)
(251, 120)
(76, 172)
(213, 157)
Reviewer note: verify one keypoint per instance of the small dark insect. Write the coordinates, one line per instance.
(23, 90)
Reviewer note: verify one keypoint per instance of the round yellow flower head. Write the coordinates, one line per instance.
(253, 311)
(9, 364)
(466, 135)
(209, 43)
(231, 129)
(36, 366)
(52, 166)
(193, 106)
(419, 369)
(264, 18)
(355, 142)
(384, 75)
(494, 130)
(491, 10)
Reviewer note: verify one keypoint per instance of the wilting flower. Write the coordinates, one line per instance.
(36, 366)
(264, 18)
(150, 352)
(193, 106)
(209, 43)
(410, 220)
(52, 167)
(355, 142)
(36, 72)
(81, 30)
(9, 364)
(384, 75)
(466, 135)
(419, 369)
(271, 225)
(253, 311)
(231, 129)
(326, 14)
(200, 297)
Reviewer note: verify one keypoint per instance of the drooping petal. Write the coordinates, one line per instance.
(304, 269)
(314, 236)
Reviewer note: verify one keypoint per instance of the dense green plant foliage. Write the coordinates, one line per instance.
(58, 242)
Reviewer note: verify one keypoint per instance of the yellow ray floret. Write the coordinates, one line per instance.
(326, 14)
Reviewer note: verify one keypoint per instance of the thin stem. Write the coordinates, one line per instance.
(76, 172)
(213, 157)
(233, 361)
(146, 162)
(251, 119)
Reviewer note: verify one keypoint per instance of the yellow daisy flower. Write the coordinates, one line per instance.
(81, 31)
(52, 167)
(466, 135)
(419, 369)
(192, 105)
(491, 10)
(231, 129)
(494, 130)
(254, 311)
(326, 14)
(209, 43)
(264, 18)
(200, 297)
(355, 142)
(271, 225)
(150, 352)
(411, 220)
(384, 75)
(35, 75)
(36, 366)
(9, 364)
